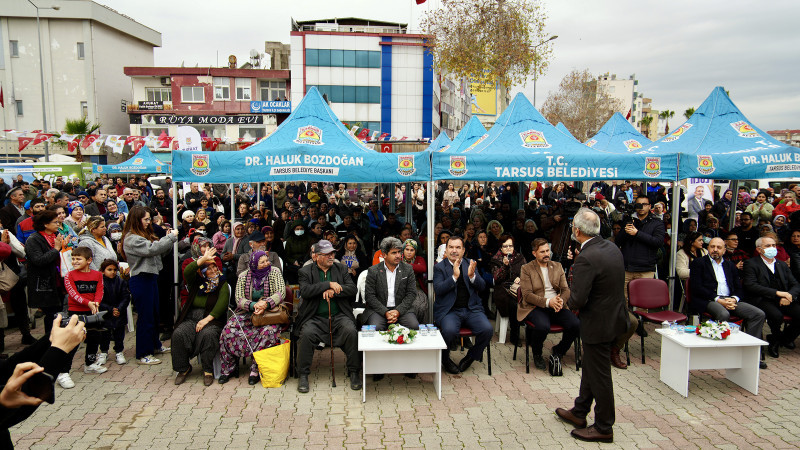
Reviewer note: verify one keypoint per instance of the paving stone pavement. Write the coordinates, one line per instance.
(139, 407)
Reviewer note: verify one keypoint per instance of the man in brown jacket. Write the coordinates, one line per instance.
(544, 299)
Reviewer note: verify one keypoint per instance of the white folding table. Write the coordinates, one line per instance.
(423, 355)
(738, 355)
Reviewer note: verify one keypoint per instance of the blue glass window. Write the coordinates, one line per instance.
(312, 57)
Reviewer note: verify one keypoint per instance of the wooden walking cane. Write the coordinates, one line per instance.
(330, 330)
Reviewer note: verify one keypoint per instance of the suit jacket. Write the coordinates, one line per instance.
(598, 291)
(8, 216)
(756, 281)
(695, 207)
(703, 282)
(376, 291)
(531, 285)
(445, 288)
(311, 289)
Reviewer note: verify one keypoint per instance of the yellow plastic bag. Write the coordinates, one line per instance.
(273, 364)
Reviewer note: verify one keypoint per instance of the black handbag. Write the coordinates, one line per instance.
(554, 366)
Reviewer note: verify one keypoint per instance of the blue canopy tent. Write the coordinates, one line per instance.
(618, 136)
(563, 128)
(472, 131)
(442, 141)
(522, 146)
(719, 142)
(310, 145)
(143, 162)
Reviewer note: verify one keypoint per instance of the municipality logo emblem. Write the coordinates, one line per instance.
(591, 142)
(200, 165)
(475, 144)
(138, 161)
(99, 169)
(533, 139)
(652, 166)
(678, 132)
(744, 129)
(405, 165)
(310, 135)
(458, 166)
(705, 164)
(632, 145)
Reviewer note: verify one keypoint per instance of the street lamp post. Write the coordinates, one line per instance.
(536, 71)
(41, 75)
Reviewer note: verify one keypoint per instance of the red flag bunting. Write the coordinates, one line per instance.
(41, 137)
(23, 142)
(384, 136)
(129, 140)
(628, 116)
(419, 2)
(72, 145)
(363, 134)
(2, 103)
(87, 141)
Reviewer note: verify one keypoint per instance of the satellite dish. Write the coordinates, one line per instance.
(254, 53)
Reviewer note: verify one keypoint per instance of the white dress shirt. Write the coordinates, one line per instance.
(390, 277)
(722, 283)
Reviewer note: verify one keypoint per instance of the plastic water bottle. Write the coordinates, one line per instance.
(665, 325)
(423, 330)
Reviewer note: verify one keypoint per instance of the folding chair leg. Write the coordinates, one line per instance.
(642, 349)
(527, 360)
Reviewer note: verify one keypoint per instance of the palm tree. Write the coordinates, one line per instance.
(666, 115)
(80, 128)
(688, 113)
(645, 125)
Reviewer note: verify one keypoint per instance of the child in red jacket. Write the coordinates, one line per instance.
(85, 292)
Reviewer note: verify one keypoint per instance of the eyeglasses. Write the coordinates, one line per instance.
(508, 245)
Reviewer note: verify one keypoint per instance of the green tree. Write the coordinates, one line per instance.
(688, 113)
(489, 39)
(579, 105)
(644, 124)
(80, 128)
(666, 115)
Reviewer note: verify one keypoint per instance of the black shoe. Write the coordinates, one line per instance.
(225, 378)
(789, 345)
(762, 365)
(468, 343)
(538, 362)
(450, 367)
(355, 380)
(410, 375)
(773, 347)
(640, 329)
(377, 377)
(253, 380)
(28, 339)
(302, 384)
(464, 364)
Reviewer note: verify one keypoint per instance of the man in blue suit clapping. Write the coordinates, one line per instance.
(458, 303)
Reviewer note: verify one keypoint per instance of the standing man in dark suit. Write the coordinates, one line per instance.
(13, 210)
(772, 287)
(390, 289)
(598, 292)
(715, 289)
(457, 285)
(325, 285)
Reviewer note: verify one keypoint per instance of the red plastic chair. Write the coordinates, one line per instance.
(466, 333)
(652, 293)
(554, 328)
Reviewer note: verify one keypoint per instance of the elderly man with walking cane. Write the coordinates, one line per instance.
(326, 316)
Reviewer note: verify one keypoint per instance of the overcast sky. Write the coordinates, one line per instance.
(679, 50)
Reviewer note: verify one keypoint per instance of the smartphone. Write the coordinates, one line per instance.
(41, 385)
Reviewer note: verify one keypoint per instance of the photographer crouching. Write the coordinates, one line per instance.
(29, 375)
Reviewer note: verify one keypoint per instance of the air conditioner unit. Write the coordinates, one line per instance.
(165, 81)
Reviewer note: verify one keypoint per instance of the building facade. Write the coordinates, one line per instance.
(84, 47)
(625, 90)
(224, 103)
(377, 76)
(789, 137)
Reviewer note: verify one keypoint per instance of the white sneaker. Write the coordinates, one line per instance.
(164, 349)
(65, 381)
(149, 360)
(102, 358)
(121, 359)
(94, 368)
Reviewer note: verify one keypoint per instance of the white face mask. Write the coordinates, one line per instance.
(299, 232)
(116, 236)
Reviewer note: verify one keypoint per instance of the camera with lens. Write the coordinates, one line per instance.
(91, 321)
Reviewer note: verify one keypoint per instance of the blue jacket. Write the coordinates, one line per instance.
(445, 288)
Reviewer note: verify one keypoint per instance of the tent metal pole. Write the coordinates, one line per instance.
(429, 220)
(233, 207)
(673, 241)
(258, 196)
(392, 201)
(409, 205)
(734, 186)
(175, 274)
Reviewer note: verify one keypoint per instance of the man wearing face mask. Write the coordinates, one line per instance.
(771, 286)
(639, 242)
(716, 290)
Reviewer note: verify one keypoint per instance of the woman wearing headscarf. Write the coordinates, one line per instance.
(201, 320)
(418, 263)
(722, 208)
(352, 256)
(199, 247)
(259, 288)
(298, 250)
(760, 208)
(187, 223)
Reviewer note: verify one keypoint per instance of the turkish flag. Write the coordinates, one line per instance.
(419, 2)
(363, 134)
(72, 145)
(628, 116)
(137, 145)
(129, 140)
(23, 142)
(214, 144)
(386, 148)
(244, 145)
(88, 140)
(383, 137)
(41, 137)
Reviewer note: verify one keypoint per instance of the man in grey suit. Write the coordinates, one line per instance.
(390, 289)
(696, 203)
(597, 292)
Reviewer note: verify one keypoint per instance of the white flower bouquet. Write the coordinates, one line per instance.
(398, 334)
(714, 330)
